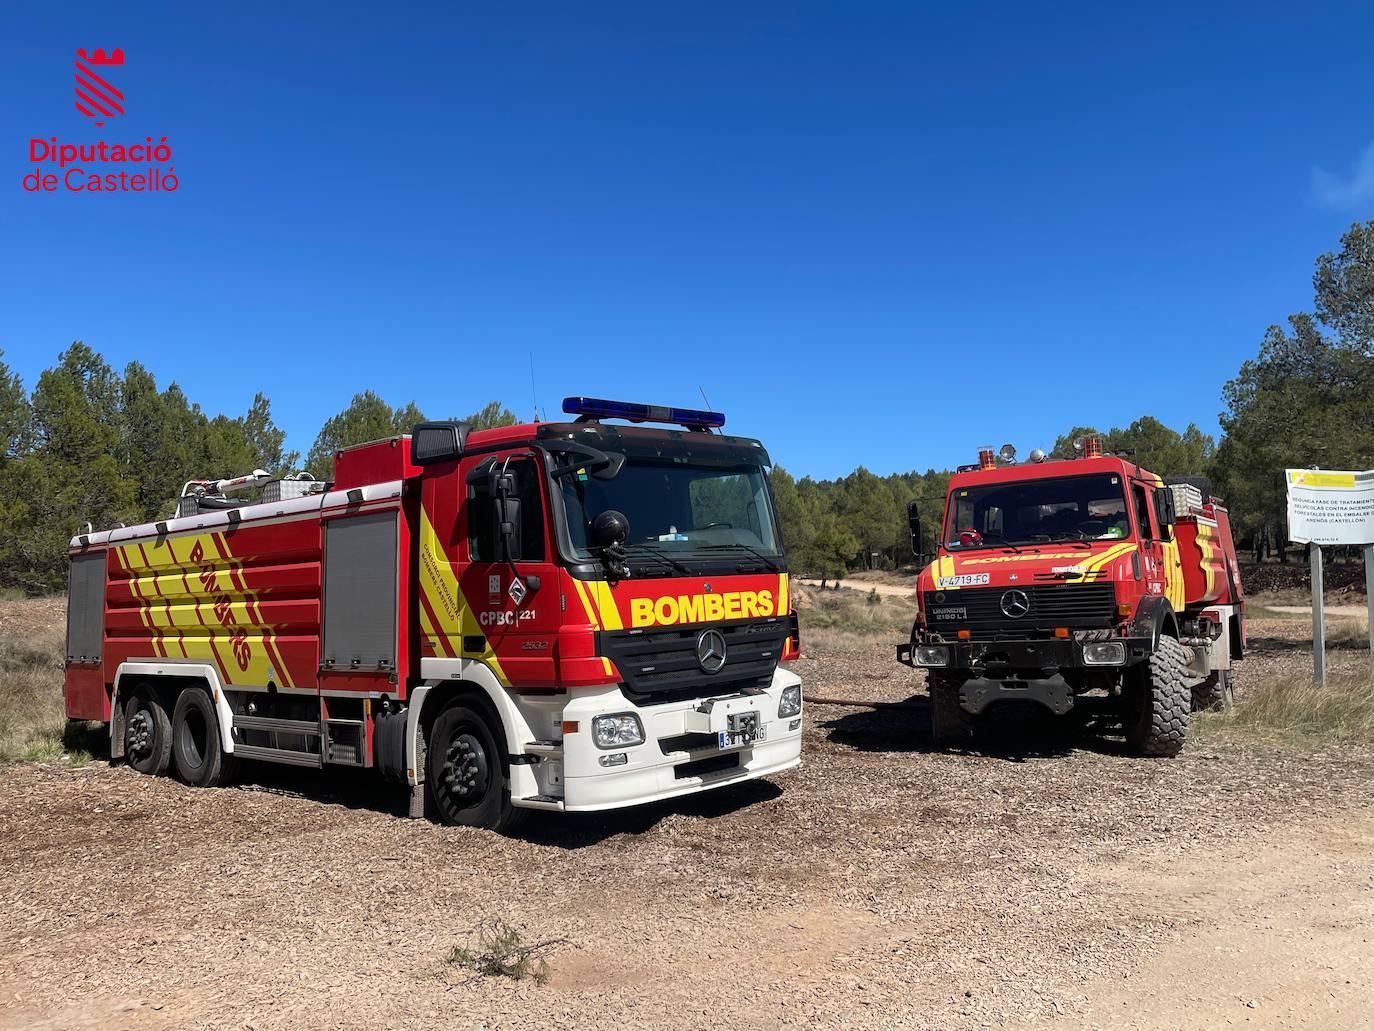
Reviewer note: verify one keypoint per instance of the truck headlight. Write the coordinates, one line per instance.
(930, 655)
(618, 731)
(1104, 653)
(790, 702)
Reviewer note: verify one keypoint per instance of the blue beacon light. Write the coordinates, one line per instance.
(596, 408)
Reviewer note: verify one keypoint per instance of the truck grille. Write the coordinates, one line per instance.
(659, 664)
(979, 609)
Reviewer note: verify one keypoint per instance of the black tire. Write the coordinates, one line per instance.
(468, 773)
(200, 760)
(1156, 701)
(951, 726)
(147, 733)
(1216, 692)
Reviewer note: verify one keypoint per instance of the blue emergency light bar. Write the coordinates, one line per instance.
(596, 408)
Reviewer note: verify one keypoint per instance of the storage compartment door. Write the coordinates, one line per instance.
(86, 608)
(360, 604)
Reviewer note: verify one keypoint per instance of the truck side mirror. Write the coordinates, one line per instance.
(913, 522)
(508, 526)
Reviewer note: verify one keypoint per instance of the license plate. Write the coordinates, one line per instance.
(735, 738)
(962, 580)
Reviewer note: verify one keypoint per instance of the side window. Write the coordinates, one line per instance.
(483, 531)
(1142, 511)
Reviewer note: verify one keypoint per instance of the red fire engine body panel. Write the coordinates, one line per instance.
(244, 591)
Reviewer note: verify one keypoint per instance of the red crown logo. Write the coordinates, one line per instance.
(95, 97)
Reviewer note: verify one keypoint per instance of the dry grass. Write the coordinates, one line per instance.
(500, 951)
(851, 621)
(33, 725)
(1294, 709)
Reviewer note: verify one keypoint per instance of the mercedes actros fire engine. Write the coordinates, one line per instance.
(1053, 579)
(571, 615)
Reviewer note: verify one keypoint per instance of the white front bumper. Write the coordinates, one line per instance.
(652, 770)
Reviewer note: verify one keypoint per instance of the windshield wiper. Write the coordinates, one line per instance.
(1064, 535)
(662, 556)
(768, 562)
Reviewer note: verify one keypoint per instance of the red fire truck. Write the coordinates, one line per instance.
(571, 615)
(1053, 579)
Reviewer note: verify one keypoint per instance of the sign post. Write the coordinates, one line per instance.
(1331, 507)
(1369, 600)
(1318, 617)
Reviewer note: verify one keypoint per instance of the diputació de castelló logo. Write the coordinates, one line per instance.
(86, 167)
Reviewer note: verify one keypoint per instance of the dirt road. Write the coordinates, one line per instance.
(1055, 882)
(885, 589)
(1341, 611)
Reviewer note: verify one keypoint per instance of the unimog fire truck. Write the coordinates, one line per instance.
(571, 615)
(1053, 579)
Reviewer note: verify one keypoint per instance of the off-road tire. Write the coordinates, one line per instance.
(951, 726)
(465, 745)
(196, 750)
(1216, 692)
(147, 733)
(1156, 700)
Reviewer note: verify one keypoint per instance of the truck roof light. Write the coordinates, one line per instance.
(1007, 454)
(986, 459)
(1037, 456)
(596, 408)
(1088, 447)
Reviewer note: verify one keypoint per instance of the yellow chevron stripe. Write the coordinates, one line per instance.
(445, 595)
(605, 602)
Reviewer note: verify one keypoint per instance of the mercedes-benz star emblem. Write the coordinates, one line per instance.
(1015, 604)
(710, 651)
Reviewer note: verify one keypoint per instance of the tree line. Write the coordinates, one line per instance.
(89, 443)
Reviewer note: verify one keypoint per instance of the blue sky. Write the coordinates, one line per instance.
(875, 234)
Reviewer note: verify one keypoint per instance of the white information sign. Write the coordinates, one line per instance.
(1329, 507)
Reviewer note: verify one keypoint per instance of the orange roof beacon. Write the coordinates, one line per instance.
(1057, 580)
(574, 615)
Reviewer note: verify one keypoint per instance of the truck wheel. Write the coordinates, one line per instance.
(950, 725)
(1216, 692)
(1156, 700)
(200, 760)
(147, 733)
(467, 772)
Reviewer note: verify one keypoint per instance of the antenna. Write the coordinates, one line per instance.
(705, 398)
(533, 392)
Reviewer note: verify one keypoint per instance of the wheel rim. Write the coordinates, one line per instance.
(466, 773)
(138, 737)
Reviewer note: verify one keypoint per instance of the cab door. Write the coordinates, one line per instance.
(510, 581)
(1152, 560)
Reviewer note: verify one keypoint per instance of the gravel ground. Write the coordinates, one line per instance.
(1049, 881)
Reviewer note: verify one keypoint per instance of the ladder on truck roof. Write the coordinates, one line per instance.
(215, 495)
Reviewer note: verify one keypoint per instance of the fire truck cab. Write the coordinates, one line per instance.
(571, 615)
(1053, 579)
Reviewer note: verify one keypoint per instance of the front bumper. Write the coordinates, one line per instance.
(996, 657)
(681, 753)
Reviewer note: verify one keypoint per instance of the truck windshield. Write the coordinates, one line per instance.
(1071, 508)
(679, 514)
